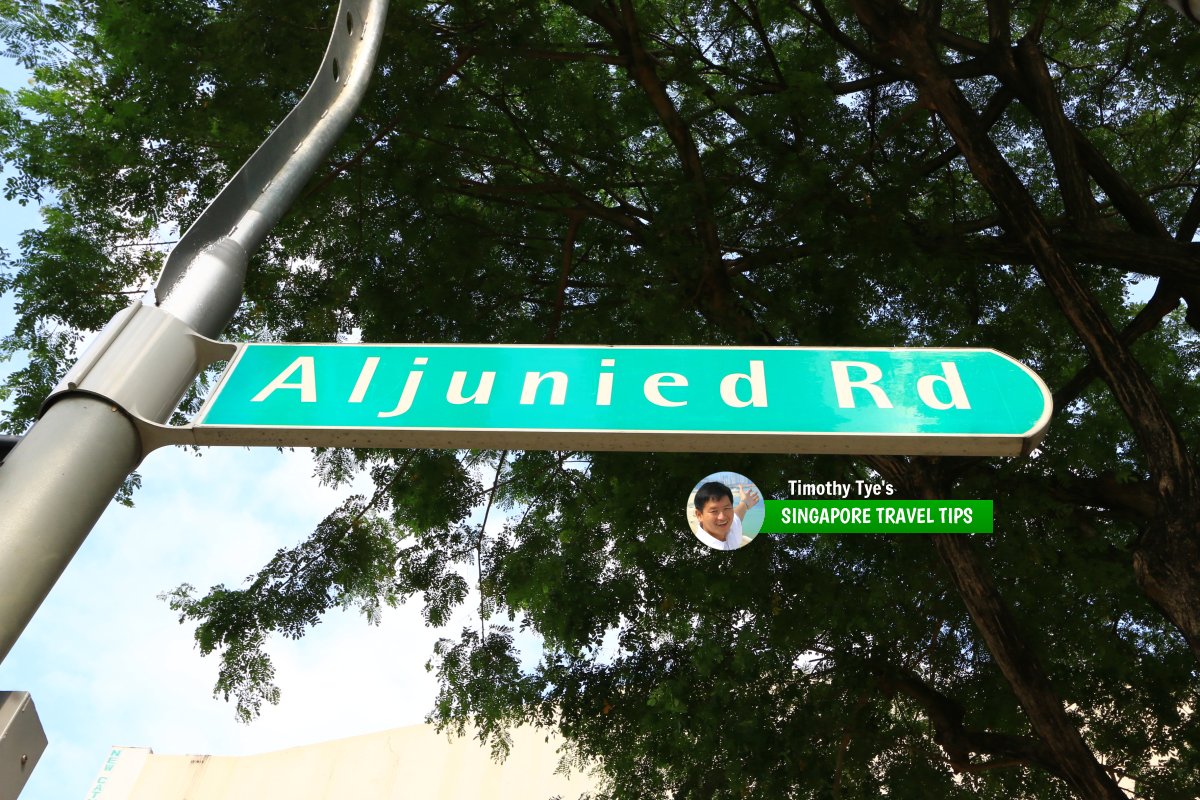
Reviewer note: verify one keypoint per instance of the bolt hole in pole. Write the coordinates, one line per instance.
(337, 76)
(349, 24)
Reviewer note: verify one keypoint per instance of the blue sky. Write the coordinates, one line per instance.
(107, 663)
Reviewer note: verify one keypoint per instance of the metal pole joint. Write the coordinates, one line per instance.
(142, 364)
(104, 417)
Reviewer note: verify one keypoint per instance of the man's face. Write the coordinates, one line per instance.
(716, 517)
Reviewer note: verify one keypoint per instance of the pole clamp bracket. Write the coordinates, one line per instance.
(143, 363)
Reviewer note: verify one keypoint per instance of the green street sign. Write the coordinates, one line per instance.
(928, 401)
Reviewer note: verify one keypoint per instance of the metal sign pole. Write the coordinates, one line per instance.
(59, 479)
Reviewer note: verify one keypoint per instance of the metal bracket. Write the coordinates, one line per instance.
(22, 742)
(147, 356)
(143, 362)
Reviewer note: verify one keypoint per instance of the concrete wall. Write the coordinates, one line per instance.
(414, 763)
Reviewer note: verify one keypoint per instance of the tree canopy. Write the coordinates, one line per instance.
(770, 172)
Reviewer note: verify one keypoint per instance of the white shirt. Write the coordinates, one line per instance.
(733, 539)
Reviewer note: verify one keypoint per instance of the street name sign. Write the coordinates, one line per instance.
(916, 401)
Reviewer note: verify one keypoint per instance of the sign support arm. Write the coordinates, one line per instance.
(57, 481)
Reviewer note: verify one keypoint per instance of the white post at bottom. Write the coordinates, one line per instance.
(22, 742)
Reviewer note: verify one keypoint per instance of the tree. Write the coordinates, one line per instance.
(865, 172)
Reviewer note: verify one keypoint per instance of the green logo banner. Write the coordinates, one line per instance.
(878, 516)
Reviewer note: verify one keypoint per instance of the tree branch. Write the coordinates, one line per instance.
(1167, 561)
(561, 295)
(1190, 220)
(905, 34)
(1072, 180)
(992, 113)
(713, 294)
(999, 13)
(955, 738)
(1162, 303)
(1128, 252)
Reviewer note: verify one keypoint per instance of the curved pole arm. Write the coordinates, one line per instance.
(62, 475)
(201, 282)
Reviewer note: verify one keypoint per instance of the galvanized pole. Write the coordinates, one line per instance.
(58, 480)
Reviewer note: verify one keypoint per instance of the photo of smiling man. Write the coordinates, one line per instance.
(725, 511)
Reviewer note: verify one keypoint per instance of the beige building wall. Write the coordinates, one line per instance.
(414, 763)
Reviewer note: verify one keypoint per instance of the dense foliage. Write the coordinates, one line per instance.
(800, 172)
